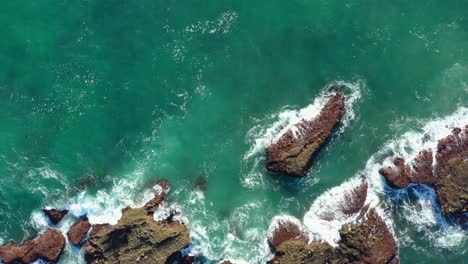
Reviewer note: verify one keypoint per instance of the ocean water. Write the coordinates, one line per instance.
(100, 99)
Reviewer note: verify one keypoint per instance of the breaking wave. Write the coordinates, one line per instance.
(270, 129)
(417, 204)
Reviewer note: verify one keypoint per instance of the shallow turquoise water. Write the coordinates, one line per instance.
(98, 94)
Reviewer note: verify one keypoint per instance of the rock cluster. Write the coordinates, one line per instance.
(293, 153)
(365, 241)
(446, 171)
(47, 246)
(137, 238)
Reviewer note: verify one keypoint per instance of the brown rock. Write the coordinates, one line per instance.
(152, 205)
(448, 176)
(137, 238)
(365, 241)
(418, 171)
(48, 246)
(368, 241)
(285, 231)
(292, 154)
(54, 215)
(355, 199)
(78, 231)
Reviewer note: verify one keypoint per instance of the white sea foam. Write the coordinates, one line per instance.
(418, 204)
(102, 207)
(270, 129)
(222, 24)
(106, 206)
(281, 220)
(236, 238)
(324, 218)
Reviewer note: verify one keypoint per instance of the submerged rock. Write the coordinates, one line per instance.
(78, 231)
(54, 215)
(137, 238)
(293, 152)
(448, 175)
(48, 247)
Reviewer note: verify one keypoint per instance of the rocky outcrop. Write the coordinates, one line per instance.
(286, 231)
(366, 241)
(78, 231)
(448, 175)
(137, 238)
(55, 216)
(152, 205)
(293, 153)
(48, 247)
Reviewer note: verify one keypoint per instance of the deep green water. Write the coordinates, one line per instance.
(100, 99)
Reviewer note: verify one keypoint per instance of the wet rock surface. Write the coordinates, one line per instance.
(366, 241)
(78, 231)
(293, 153)
(55, 216)
(47, 246)
(137, 238)
(448, 175)
(284, 232)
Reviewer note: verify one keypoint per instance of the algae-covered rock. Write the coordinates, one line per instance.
(452, 188)
(293, 152)
(300, 251)
(136, 238)
(367, 241)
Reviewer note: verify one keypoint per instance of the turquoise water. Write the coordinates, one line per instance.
(101, 99)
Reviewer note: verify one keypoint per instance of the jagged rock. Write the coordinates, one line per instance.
(367, 241)
(48, 247)
(152, 205)
(292, 153)
(285, 231)
(448, 176)
(348, 202)
(355, 199)
(452, 188)
(54, 215)
(137, 237)
(300, 251)
(78, 231)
